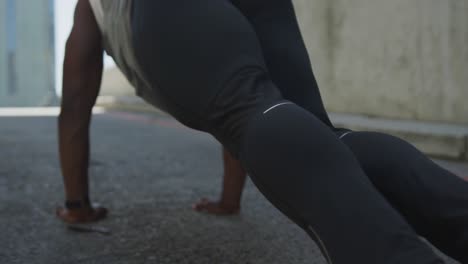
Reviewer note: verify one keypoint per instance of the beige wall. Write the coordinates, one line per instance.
(397, 59)
(114, 83)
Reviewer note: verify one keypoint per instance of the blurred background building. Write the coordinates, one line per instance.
(27, 53)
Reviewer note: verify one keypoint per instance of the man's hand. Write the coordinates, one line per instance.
(216, 208)
(82, 215)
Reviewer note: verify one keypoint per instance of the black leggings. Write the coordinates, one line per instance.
(363, 198)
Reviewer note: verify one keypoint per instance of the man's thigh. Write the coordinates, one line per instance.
(285, 53)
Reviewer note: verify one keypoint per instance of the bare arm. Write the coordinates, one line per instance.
(233, 184)
(82, 72)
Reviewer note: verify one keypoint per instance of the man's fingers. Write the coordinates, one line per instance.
(99, 213)
(85, 215)
(201, 205)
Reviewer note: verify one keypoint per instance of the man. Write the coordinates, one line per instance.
(207, 64)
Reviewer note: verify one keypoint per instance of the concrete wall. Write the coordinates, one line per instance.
(34, 59)
(394, 59)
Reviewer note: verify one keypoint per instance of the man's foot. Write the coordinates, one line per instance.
(216, 208)
(82, 215)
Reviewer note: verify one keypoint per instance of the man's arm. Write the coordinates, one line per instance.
(233, 184)
(82, 72)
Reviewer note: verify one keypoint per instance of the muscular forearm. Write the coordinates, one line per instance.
(74, 154)
(233, 182)
(81, 81)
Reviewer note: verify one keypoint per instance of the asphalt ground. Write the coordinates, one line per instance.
(148, 170)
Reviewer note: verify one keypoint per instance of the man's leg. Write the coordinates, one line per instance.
(206, 60)
(287, 60)
(286, 56)
(288, 63)
(303, 170)
(432, 199)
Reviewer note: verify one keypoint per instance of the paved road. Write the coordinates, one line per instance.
(148, 170)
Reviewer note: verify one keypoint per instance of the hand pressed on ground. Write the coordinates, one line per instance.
(215, 207)
(87, 214)
(233, 184)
